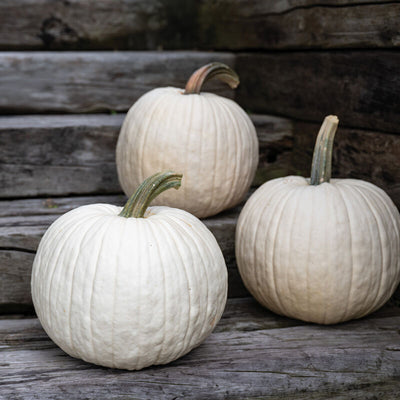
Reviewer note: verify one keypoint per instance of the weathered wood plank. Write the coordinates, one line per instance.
(57, 24)
(361, 87)
(76, 82)
(299, 24)
(240, 315)
(206, 24)
(23, 223)
(301, 361)
(75, 154)
(58, 155)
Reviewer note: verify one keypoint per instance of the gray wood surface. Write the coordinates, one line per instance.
(206, 24)
(75, 154)
(252, 354)
(23, 223)
(58, 24)
(77, 82)
(58, 155)
(300, 24)
(361, 87)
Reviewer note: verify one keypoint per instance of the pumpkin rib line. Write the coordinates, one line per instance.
(94, 217)
(281, 204)
(245, 223)
(236, 132)
(185, 175)
(46, 269)
(252, 142)
(151, 235)
(344, 318)
(93, 285)
(331, 193)
(114, 295)
(216, 126)
(299, 191)
(164, 227)
(182, 262)
(188, 234)
(254, 268)
(384, 198)
(369, 205)
(377, 304)
(326, 291)
(71, 224)
(308, 254)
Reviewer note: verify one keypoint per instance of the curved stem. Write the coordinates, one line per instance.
(210, 71)
(322, 158)
(151, 187)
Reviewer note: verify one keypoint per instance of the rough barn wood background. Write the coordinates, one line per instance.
(69, 70)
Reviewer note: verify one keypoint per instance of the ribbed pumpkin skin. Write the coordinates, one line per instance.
(207, 138)
(325, 253)
(128, 292)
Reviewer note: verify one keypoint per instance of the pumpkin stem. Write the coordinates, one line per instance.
(151, 187)
(321, 168)
(210, 71)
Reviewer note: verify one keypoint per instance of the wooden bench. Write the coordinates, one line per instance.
(61, 112)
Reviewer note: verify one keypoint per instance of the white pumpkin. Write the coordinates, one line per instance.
(207, 137)
(129, 292)
(324, 251)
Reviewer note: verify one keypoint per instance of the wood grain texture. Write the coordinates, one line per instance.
(57, 24)
(298, 24)
(360, 87)
(191, 24)
(75, 154)
(252, 354)
(83, 82)
(23, 223)
(58, 155)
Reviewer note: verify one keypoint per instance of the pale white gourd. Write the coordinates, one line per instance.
(324, 252)
(207, 137)
(131, 288)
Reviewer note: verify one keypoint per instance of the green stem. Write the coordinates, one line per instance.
(153, 186)
(321, 168)
(210, 71)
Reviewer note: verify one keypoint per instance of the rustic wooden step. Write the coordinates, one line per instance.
(83, 82)
(252, 354)
(361, 87)
(75, 154)
(23, 223)
(226, 24)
